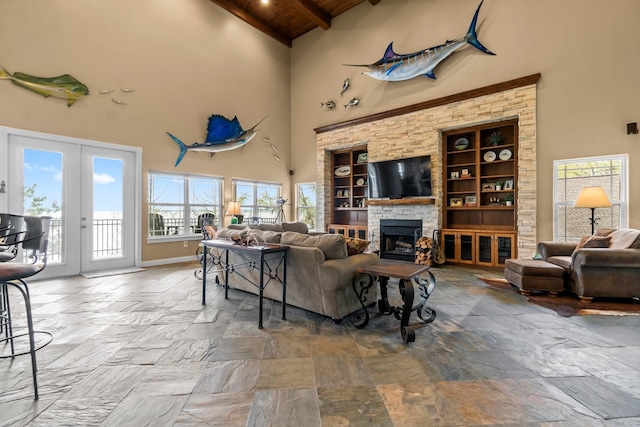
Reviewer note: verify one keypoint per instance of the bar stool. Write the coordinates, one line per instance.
(12, 275)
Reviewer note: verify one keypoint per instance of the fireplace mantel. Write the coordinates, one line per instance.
(403, 201)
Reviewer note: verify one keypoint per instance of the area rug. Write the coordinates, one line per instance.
(112, 272)
(568, 305)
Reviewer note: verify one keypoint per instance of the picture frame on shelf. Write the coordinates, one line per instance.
(455, 202)
(339, 193)
(489, 186)
(455, 175)
(363, 157)
(465, 173)
(508, 185)
(470, 201)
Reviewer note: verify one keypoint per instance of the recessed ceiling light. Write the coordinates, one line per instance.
(265, 1)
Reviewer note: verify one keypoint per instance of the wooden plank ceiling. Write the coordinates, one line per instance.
(284, 20)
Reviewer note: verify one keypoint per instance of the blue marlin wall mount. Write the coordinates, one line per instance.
(394, 67)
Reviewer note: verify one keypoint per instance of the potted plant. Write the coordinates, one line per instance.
(495, 138)
(498, 185)
(509, 199)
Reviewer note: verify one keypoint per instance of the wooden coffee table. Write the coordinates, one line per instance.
(406, 273)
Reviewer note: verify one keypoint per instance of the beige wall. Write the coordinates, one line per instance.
(190, 59)
(585, 51)
(186, 59)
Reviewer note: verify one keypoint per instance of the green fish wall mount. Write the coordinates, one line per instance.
(64, 87)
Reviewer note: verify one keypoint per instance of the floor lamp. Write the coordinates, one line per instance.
(592, 198)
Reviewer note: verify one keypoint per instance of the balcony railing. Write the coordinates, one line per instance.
(107, 239)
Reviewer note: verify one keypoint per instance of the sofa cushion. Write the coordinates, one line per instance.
(267, 227)
(356, 246)
(624, 238)
(237, 226)
(562, 261)
(333, 246)
(299, 227)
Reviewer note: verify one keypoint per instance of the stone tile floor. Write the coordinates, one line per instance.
(140, 349)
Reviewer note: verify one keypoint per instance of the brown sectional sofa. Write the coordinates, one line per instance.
(319, 269)
(612, 271)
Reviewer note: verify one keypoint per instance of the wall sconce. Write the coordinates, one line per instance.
(2, 185)
(632, 128)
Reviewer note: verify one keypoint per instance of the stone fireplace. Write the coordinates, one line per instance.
(417, 130)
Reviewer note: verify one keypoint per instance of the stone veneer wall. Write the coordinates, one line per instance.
(420, 133)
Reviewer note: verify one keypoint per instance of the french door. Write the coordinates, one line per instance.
(88, 190)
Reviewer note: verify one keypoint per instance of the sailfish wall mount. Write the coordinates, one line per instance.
(398, 67)
(222, 135)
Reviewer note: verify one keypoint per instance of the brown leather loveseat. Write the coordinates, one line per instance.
(606, 264)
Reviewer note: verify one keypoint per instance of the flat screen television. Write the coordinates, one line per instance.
(410, 177)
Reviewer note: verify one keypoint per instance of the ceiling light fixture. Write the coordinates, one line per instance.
(265, 1)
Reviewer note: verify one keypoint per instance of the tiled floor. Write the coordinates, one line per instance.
(140, 349)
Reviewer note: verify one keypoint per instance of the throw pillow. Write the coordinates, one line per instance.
(356, 246)
(604, 232)
(582, 241)
(597, 242)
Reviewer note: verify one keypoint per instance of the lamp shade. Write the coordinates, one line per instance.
(592, 197)
(234, 208)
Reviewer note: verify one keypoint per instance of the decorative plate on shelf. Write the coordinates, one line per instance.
(505, 154)
(343, 171)
(461, 143)
(360, 181)
(489, 156)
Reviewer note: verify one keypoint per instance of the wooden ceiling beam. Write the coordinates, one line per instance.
(234, 9)
(315, 13)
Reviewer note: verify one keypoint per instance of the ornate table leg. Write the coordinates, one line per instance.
(360, 318)
(406, 290)
(383, 303)
(426, 287)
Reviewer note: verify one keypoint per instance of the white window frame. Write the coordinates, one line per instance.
(300, 207)
(218, 186)
(622, 203)
(254, 210)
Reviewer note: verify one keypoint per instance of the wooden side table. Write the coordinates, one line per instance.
(406, 274)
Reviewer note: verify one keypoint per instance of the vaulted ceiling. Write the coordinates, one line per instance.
(285, 20)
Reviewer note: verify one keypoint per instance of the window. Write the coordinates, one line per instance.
(306, 204)
(570, 176)
(176, 201)
(259, 199)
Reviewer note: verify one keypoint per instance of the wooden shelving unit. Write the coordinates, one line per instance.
(480, 176)
(349, 192)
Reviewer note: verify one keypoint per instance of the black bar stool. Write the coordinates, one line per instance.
(12, 275)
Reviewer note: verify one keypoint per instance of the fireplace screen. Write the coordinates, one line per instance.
(398, 238)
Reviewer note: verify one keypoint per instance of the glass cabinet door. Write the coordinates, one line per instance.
(485, 249)
(466, 247)
(504, 248)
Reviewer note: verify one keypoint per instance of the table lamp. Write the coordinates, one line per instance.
(234, 209)
(592, 198)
